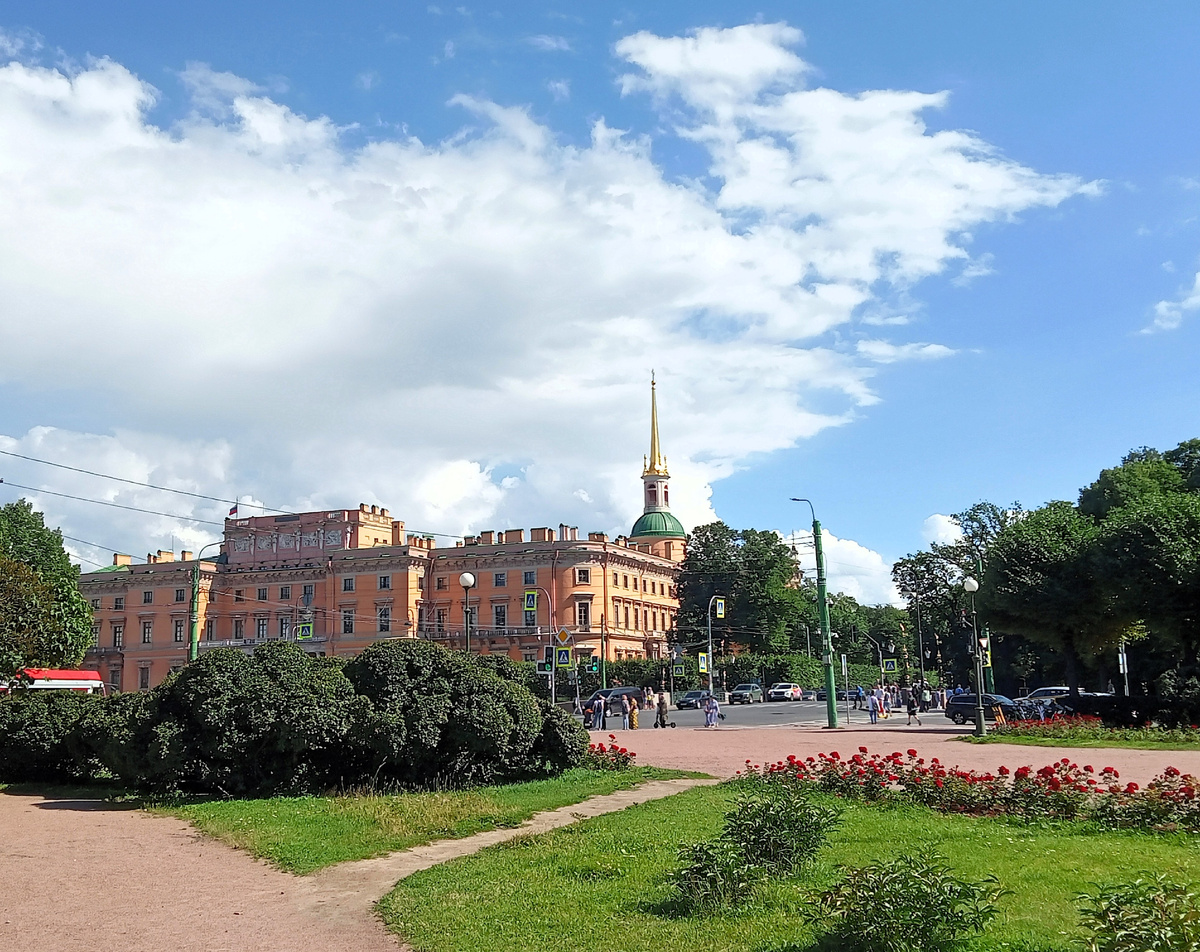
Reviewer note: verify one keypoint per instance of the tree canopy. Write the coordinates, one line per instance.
(44, 621)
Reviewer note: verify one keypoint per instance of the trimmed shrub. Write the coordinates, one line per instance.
(907, 904)
(1143, 916)
(275, 722)
(438, 716)
(35, 731)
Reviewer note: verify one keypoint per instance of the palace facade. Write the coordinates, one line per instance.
(336, 581)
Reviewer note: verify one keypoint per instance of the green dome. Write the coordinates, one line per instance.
(657, 522)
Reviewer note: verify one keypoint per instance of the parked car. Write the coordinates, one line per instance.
(1046, 694)
(746, 693)
(841, 694)
(961, 707)
(784, 691)
(808, 694)
(691, 701)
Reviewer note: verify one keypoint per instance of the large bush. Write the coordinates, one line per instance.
(1153, 915)
(238, 725)
(36, 728)
(439, 716)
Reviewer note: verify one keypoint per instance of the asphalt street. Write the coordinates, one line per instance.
(779, 714)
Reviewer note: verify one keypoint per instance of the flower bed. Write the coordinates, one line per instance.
(610, 756)
(1086, 728)
(1062, 790)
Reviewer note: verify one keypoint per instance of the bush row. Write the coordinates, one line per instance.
(1120, 711)
(402, 714)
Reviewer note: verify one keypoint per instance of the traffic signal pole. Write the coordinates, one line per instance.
(831, 713)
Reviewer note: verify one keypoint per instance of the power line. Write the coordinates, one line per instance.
(112, 505)
(134, 482)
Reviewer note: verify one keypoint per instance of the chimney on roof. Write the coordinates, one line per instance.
(562, 532)
(121, 559)
(487, 537)
(597, 537)
(384, 513)
(185, 556)
(165, 556)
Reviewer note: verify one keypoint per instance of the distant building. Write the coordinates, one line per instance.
(336, 581)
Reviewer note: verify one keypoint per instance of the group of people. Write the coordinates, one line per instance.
(882, 700)
(625, 705)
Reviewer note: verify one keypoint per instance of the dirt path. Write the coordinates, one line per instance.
(81, 875)
(723, 751)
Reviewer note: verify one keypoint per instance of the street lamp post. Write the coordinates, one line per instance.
(467, 581)
(823, 618)
(194, 614)
(920, 642)
(711, 601)
(971, 586)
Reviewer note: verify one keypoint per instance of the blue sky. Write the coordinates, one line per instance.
(1006, 349)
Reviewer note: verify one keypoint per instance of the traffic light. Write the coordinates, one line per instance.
(594, 664)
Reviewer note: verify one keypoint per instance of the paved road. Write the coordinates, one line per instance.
(780, 713)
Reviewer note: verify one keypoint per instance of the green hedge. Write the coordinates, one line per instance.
(403, 713)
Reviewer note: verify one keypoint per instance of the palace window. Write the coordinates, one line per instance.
(239, 595)
(531, 577)
(285, 626)
(385, 619)
(530, 619)
(96, 635)
(95, 603)
(239, 628)
(440, 619)
(583, 576)
(260, 628)
(500, 616)
(385, 582)
(500, 579)
(285, 593)
(626, 616)
(147, 632)
(143, 679)
(119, 603)
(178, 633)
(347, 621)
(440, 583)
(147, 598)
(262, 594)
(210, 629)
(308, 593)
(583, 615)
(181, 594)
(625, 579)
(348, 583)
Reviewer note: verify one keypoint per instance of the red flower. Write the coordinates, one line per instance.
(1003, 771)
(912, 752)
(862, 750)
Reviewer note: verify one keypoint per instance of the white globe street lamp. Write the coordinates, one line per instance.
(467, 581)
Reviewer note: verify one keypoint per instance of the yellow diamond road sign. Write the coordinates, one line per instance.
(563, 636)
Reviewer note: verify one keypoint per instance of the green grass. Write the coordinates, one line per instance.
(1089, 743)
(303, 834)
(600, 883)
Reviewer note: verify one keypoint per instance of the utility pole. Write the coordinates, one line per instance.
(920, 641)
(823, 617)
(719, 601)
(972, 586)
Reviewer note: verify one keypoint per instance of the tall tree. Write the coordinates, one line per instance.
(44, 621)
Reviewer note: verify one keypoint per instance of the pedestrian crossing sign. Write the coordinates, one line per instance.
(703, 662)
(531, 601)
(677, 670)
(303, 630)
(889, 665)
(563, 659)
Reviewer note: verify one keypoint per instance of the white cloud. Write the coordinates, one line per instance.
(941, 529)
(367, 80)
(852, 568)
(884, 352)
(1168, 315)
(975, 268)
(560, 89)
(462, 330)
(550, 44)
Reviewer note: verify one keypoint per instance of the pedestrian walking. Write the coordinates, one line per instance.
(926, 698)
(873, 703)
(860, 697)
(624, 712)
(913, 710)
(634, 707)
(601, 713)
(712, 710)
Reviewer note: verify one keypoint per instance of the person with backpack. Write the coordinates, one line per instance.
(913, 709)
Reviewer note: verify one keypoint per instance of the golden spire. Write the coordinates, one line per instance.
(657, 464)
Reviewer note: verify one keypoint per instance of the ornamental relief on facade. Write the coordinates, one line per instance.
(287, 542)
(333, 538)
(310, 540)
(240, 543)
(264, 542)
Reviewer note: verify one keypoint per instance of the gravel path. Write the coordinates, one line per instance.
(81, 875)
(723, 751)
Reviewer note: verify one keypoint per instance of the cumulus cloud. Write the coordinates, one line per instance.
(463, 330)
(1168, 315)
(853, 569)
(941, 529)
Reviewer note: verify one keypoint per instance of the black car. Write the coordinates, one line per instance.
(960, 708)
(692, 700)
(612, 698)
(822, 694)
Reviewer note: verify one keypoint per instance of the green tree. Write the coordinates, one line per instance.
(44, 621)
(1041, 583)
(1141, 474)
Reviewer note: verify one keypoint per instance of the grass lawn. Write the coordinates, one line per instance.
(600, 884)
(303, 834)
(1066, 741)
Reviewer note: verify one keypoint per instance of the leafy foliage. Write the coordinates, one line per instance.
(908, 904)
(1153, 915)
(44, 621)
(778, 827)
(713, 875)
(36, 729)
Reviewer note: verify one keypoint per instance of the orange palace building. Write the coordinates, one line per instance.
(336, 581)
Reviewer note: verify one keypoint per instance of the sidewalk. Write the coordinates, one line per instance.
(724, 751)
